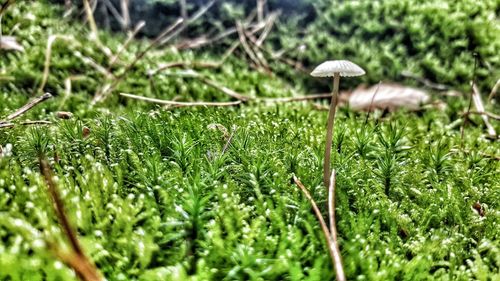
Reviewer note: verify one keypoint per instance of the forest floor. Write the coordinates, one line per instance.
(189, 192)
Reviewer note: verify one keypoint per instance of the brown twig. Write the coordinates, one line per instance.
(370, 108)
(333, 249)
(94, 34)
(267, 28)
(114, 12)
(192, 19)
(246, 47)
(206, 40)
(230, 92)
(179, 104)
(225, 90)
(28, 106)
(125, 14)
(318, 214)
(478, 104)
(131, 36)
(48, 55)
(260, 10)
(257, 51)
(160, 39)
(89, 61)
(85, 269)
(5, 6)
(494, 90)
(184, 64)
(26, 123)
(226, 146)
(183, 6)
(339, 269)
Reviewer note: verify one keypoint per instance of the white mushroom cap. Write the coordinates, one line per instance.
(343, 67)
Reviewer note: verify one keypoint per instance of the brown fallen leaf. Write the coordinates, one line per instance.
(9, 43)
(389, 96)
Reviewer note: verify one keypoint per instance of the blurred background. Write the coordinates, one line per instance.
(393, 39)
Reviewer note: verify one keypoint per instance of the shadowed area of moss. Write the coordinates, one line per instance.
(155, 196)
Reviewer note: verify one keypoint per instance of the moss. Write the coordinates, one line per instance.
(154, 198)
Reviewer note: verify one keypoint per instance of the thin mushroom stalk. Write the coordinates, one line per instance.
(330, 129)
(335, 69)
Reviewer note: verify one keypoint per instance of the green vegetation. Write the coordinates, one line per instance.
(433, 39)
(154, 195)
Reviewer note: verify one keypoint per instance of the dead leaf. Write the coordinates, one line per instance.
(389, 96)
(9, 43)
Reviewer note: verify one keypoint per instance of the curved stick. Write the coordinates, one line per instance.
(337, 259)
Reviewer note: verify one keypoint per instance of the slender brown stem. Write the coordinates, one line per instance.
(330, 129)
(494, 90)
(225, 90)
(59, 207)
(85, 269)
(90, 18)
(131, 36)
(159, 40)
(29, 106)
(318, 214)
(337, 259)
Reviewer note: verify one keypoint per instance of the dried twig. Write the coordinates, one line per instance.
(82, 265)
(185, 64)
(29, 106)
(230, 92)
(103, 92)
(226, 146)
(206, 40)
(183, 6)
(26, 123)
(48, 55)
(267, 28)
(89, 61)
(90, 17)
(494, 90)
(257, 51)
(260, 10)
(246, 47)
(333, 249)
(371, 103)
(5, 6)
(194, 18)
(478, 104)
(115, 12)
(337, 259)
(130, 37)
(125, 14)
(179, 104)
(225, 90)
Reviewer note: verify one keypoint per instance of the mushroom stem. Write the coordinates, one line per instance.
(329, 129)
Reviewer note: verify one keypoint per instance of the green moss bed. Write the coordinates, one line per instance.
(157, 194)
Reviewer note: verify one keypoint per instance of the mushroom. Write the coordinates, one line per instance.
(335, 69)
